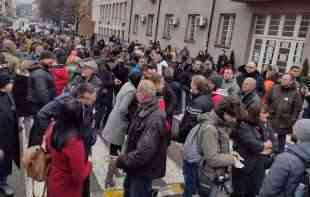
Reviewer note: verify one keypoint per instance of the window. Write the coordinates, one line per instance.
(191, 27)
(225, 30)
(149, 28)
(260, 23)
(274, 25)
(168, 26)
(304, 26)
(136, 24)
(279, 39)
(289, 25)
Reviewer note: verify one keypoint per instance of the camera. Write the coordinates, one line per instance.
(223, 182)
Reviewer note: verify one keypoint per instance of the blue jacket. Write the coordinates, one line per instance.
(287, 172)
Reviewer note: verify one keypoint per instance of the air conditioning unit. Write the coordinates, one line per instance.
(202, 21)
(143, 19)
(175, 21)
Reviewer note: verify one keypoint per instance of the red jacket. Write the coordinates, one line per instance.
(61, 78)
(69, 169)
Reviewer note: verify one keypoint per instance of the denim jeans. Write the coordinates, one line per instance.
(137, 186)
(191, 178)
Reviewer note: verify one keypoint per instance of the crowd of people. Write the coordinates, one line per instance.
(244, 129)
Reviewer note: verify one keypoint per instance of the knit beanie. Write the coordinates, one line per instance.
(217, 80)
(302, 130)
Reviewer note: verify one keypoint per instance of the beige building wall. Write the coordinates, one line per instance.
(142, 9)
(241, 31)
(181, 9)
(111, 18)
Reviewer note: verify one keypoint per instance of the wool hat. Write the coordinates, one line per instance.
(217, 80)
(4, 79)
(302, 130)
(46, 55)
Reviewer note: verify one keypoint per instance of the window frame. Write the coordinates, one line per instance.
(230, 30)
(150, 24)
(136, 24)
(191, 28)
(168, 26)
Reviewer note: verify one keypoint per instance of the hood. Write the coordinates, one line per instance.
(212, 118)
(301, 149)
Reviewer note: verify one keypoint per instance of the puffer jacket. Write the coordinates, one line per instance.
(146, 153)
(200, 104)
(213, 139)
(284, 106)
(286, 172)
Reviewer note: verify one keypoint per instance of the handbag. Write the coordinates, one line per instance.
(36, 163)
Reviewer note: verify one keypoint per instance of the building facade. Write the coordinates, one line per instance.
(8, 8)
(263, 31)
(112, 18)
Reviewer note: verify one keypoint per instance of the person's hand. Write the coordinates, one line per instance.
(267, 145)
(1, 155)
(237, 156)
(117, 81)
(266, 152)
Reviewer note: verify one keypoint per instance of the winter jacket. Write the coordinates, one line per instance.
(20, 92)
(231, 86)
(61, 78)
(250, 100)
(200, 104)
(41, 87)
(287, 172)
(69, 168)
(147, 144)
(259, 81)
(51, 111)
(213, 140)
(249, 143)
(9, 140)
(117, 124)
(284, 106)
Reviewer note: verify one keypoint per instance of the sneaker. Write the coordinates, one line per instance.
(7, 190)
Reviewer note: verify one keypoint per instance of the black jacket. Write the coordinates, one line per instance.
(199, 104)
(51, 111)
(287, 172)
(9, 140)
(146, 153)
(20, 92)
(41, 89)
(249, 143)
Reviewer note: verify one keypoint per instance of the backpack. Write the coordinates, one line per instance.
(306, 178)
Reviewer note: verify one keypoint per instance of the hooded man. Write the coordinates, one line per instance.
(288, 170)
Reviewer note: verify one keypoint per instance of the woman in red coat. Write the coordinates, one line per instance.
(70, 165)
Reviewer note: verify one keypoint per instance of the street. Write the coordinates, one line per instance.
(23, 186)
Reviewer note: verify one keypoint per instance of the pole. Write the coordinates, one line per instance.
(210, 23)
(157, 20)
(130, 19)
